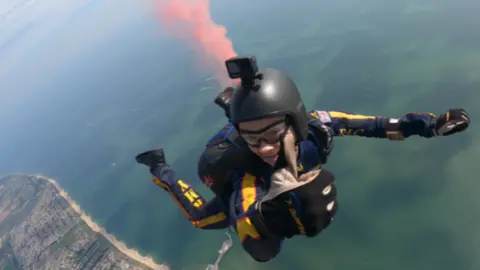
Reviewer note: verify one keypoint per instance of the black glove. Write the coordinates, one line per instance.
(454, 121)
(151, 158)
(313, 204)
(155, 161)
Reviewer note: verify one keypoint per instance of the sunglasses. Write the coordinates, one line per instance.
(270, 134)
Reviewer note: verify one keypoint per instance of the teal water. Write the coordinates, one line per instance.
(83, 92)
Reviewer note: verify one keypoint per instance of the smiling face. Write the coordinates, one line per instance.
(263, 137)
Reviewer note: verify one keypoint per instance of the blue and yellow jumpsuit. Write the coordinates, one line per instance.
(234, 205)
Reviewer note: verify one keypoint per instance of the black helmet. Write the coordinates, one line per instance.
(271, 93)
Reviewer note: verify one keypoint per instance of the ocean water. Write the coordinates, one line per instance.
(403, 205)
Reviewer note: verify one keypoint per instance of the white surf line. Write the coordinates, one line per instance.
(121, 246)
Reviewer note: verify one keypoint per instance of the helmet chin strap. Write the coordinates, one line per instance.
(290, 150)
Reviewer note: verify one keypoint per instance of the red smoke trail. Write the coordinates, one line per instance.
(191, 21)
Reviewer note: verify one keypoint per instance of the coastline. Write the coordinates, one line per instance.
(121, 246)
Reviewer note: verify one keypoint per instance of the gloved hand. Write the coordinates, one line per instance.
(306, 210)
(151, 158)
(156, 162)
(295, 204)
(454, 121)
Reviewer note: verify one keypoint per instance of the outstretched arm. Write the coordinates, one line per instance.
(422, 124)
(202, 214)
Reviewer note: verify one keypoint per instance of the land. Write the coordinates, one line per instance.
(41, 227)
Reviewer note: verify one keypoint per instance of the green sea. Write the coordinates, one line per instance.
(86, 85)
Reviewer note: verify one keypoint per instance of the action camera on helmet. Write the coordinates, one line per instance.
(243, 67)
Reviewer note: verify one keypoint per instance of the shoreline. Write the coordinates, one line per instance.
(121, 246)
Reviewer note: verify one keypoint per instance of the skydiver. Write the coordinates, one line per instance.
(264, 166)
